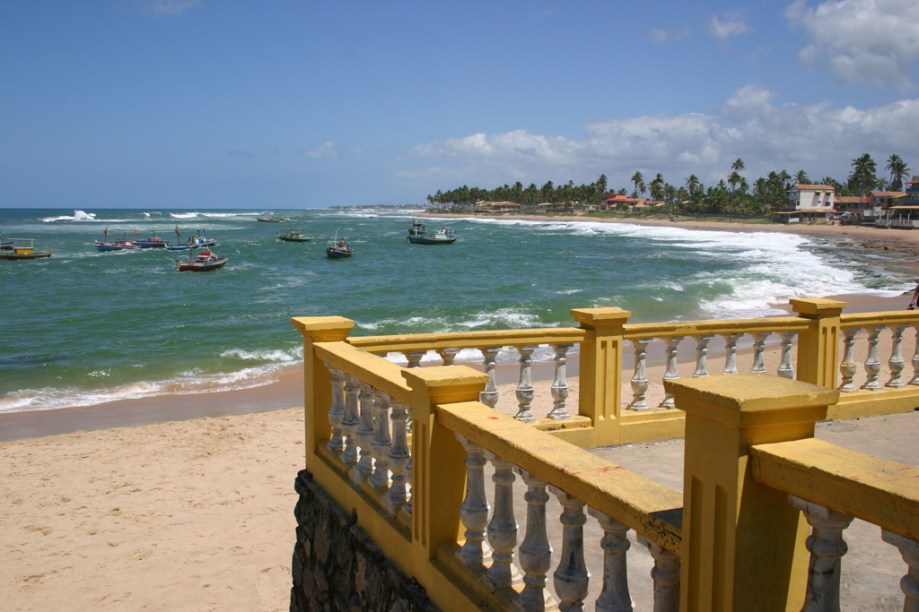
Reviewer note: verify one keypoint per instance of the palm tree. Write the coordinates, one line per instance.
(639, 182)
(801, 178)
(738, 165)
(863, 178)
(898, 170)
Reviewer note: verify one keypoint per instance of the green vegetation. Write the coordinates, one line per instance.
(731, 197)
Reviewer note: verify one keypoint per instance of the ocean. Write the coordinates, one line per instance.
(83, 328)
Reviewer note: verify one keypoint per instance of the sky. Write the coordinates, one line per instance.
(292, 104)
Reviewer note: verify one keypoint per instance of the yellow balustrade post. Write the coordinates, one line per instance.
(818, 347)
(317, 386)
(743, 543)
(601, 370)
(438, 469)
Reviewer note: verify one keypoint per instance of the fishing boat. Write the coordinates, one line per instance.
(417, 234)
(198, 241)
(21, 248)
(153, 242)
(104, 246)
(202, 262)
(338, 248)
(294, 236)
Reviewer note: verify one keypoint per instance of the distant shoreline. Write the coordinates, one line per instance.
(902, 241)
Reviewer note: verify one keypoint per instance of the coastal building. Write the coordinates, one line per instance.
(808, 203)
(618, 200)
(484, 207)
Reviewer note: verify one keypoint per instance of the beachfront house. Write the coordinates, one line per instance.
(808, 203)
(484, 207)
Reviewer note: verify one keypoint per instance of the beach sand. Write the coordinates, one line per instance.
(186, 502)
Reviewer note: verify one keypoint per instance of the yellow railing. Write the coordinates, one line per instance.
(409, 450)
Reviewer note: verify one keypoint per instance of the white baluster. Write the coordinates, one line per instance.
(474, 509)
(759, 351)
(671, 373)
(337, 410)
(873, 364)
(896, 362)
(489, 395)
(525, 386)
(615, 594)
(826, 547)
(448, 355)
(502, 529)
(414, 358)
(909, 583)
(785, 368)
(381, 444)
(571, 575)
(848, 367)
(363, 434)
(560, 384)
(535, 552)
(730, 353)
(350, 420)
(702, 355)
(640, 378)
(398, 457)
(666, 577)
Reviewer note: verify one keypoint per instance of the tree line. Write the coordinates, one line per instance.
(733, 195)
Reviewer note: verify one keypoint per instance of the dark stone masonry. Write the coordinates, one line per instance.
(337, 567)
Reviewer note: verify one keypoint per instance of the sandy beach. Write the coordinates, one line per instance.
(186, 502)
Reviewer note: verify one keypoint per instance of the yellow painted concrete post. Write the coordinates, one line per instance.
(743, 543)
(438, 469)
(317, 386)
(601, 370)
(818, 347)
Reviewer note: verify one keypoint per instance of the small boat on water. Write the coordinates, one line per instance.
(198, 241)
(104, 246)
(417, 234)
(294, 236)
(203, 262)
(338, 248)
(21, 248)
(153, 242)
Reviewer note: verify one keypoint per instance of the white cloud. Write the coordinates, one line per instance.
(660, 35)
(727, 26)
(876, 40)
(819, 138)
(325, 150)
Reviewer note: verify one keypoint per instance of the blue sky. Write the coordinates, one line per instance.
(307, 104)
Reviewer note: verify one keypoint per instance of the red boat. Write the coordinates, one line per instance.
(203, 261)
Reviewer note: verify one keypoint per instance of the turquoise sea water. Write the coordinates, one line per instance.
(84, 327)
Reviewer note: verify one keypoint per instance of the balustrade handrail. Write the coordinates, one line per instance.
(651, 509)
(879, 491)
(714, 326)
(367, 367)
(863, 319)
(469, 339)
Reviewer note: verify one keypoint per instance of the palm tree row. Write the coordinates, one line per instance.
(731, 196)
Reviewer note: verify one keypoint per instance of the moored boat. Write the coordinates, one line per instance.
(294, 236)
(21, 248)
(197, 241)
(417, 234)
(104, 246)
(153, 242)
(338, 248)
(203, 261)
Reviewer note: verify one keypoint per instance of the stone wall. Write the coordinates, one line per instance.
(337, 567)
